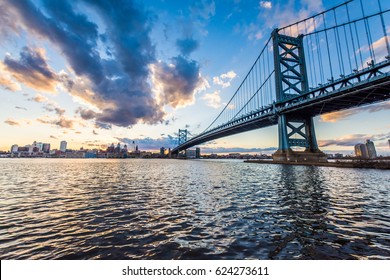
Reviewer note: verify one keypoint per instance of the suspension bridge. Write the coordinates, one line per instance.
(335, 60)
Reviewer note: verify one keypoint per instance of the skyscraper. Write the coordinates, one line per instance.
(46, 148)
(63, 146)
(361, 151)
(371, 149)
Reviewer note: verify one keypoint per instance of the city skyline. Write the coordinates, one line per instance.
(167, 71)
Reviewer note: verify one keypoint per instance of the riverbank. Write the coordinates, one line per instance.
(374, 164)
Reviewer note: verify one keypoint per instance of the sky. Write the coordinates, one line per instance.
(94, 72)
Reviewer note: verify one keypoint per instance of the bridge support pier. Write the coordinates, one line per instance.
(297, 131)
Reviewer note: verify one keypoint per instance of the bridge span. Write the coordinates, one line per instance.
(326, 63)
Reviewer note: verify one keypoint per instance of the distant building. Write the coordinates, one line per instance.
(371, 149)
(193, 153)
(46, 148)
(197, 152)
(14, 149)
(162, 151)
(63, 145)
(190, 153)
(361, 151)
(338, 155)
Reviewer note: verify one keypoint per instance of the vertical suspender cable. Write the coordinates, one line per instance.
(348, 50)
(339, 51)
(384, 28)
(353, 41)
(369, 40)
(319, 55)
(327, 48)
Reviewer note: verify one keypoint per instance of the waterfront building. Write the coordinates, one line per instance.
(190, 153)
(197, 152)
(46, 148)
(63, 145)
(361, 151)
(162, 151)
(371, 149)
(14, 149)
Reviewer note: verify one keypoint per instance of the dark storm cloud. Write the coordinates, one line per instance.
(86, 114)
(121, 82)
(32, 69)
(177, 82)
(187, 46)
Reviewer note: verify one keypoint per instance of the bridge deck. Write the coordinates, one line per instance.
(362, 93)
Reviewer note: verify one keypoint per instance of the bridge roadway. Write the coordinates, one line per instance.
(367, 86)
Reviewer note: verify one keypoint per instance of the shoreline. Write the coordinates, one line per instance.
(354, 164)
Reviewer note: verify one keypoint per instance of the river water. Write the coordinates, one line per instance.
(190, 209)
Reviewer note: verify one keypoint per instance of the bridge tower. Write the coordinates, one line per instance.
(181, 138)
(295, 130)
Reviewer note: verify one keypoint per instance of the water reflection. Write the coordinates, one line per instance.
(171, 209)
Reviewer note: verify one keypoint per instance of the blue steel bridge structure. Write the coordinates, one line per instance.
(335, 60)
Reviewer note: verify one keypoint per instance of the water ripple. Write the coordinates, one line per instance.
(171, 209)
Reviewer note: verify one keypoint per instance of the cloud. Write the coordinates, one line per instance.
(150, 143)
(204, 9)
(187, 46)
(21, 108)
(61, 122)
(39, 98)
(6, 79)
(119, 84)
(224, 79)
(51, 107)
(340, 115)
(94, 132)
(213, 99)
(380, 50)
(53, 137)
(102, 125)
(353, 139)
(12, 122)
(279, 15)
(252, 31)
(266, 4)
(9, 23)
(176, 83)
(86, 114)
(32, 69)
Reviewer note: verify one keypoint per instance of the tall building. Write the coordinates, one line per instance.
(361, 151)
(197, 152)
(371, 149)
(63, 145)
(46, 148)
